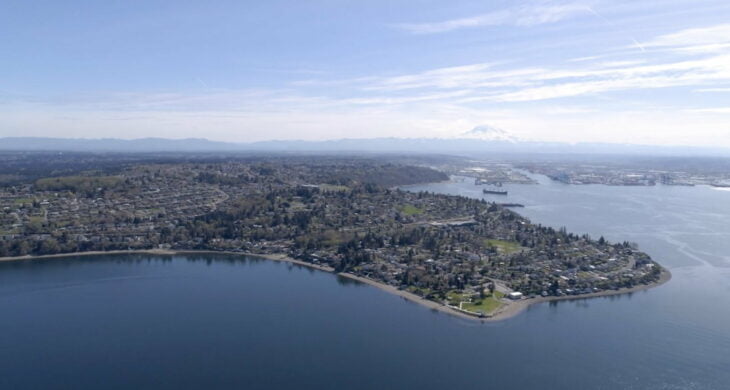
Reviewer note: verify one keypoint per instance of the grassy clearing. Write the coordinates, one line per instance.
(331, 238)
(20, 201)
(411, 210)
(36, 219)
(486, 305)
(333, 188)
(419, 291)
(296, 206)
(454, 298)
(506, 247)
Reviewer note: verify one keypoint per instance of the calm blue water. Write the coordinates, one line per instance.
(189, 322)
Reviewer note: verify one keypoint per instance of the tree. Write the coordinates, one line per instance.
(49, 246)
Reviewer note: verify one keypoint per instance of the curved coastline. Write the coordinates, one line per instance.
(508, 309)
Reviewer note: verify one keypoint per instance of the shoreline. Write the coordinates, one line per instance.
(509, 309)
(523, 304)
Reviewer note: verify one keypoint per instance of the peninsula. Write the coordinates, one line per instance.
(340, 214)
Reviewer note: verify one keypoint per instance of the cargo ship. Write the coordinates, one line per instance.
(494, 192)
(511, 204)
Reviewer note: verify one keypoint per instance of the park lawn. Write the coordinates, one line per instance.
(486, 305)
(506, 247)
(332, 238)
(421, 292)
(23, 201)
(584, 275)
(63, 223)
(297, 205)
(333, 188)
(454, 298)
(411, 210)
(36, 219)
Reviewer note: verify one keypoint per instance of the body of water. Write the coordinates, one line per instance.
(215, 321)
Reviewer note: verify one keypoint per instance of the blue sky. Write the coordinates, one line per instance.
(648, 72)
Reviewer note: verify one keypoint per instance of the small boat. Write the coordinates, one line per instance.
(494, 192)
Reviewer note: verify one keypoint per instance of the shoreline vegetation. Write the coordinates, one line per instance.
(507, 309)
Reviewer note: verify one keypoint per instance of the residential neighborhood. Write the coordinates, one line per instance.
(347, 215)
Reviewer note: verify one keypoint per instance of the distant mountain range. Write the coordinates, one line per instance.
(114, 144)
(389, 145)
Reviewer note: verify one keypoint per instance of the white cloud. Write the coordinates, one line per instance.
(711, 110)
(486, 83)
(694, 36)
(531, 14)
(712, 90)
(491, 19)
(322, 118)
(694, 40)
(529, 100)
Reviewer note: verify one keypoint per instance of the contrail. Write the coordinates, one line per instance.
(636, 42)
(639, 45)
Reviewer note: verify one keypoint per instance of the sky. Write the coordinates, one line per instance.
(618, 71)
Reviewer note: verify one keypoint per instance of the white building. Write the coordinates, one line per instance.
(514, 295)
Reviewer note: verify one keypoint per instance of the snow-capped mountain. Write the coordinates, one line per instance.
(490, 133)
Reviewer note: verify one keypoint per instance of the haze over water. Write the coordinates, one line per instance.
(138, 321)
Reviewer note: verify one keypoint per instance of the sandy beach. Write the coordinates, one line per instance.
(508, 309)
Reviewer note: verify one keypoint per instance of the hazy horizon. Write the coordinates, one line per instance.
(464, 137)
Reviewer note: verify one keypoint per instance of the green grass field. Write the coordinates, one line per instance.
(36, 219)
(505, 247)
(23, 201)
(411, 210)
(419, 291)
(333, 238)
(332, 188)
(454, 298)
(486, 305)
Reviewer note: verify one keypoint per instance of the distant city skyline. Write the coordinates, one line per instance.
(638, 72)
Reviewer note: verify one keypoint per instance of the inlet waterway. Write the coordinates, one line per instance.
(218, 321)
